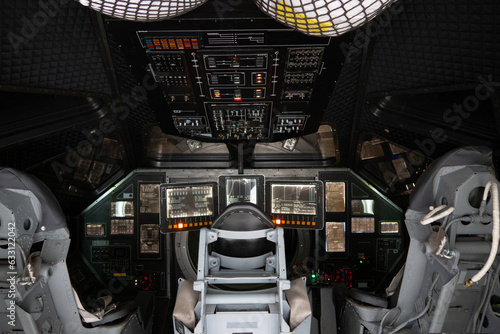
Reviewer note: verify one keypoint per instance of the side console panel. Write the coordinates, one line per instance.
(122, 239)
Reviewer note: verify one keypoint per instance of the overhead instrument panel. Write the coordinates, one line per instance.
(187, 206)
(220, 84)
(296, 204)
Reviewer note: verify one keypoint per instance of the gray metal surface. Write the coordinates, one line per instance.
(435, 294)
(39, 296)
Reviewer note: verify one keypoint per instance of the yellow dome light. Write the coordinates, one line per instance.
(323, 17)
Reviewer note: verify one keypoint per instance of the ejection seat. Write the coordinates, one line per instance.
(35, 288)
(451, 269)
(241, 284)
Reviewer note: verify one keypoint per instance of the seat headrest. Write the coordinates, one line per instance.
(243, 217)
(52, 215)
(421, 198)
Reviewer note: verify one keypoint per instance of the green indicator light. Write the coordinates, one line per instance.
(361, 261)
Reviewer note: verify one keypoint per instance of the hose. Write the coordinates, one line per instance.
(432, 216)
(495, 233)
(424, 311)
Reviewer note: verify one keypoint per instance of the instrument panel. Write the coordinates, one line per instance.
(122, 239)
(217, 80)
(364, 236)
(355, 235)
(237, 85)
(291, 204)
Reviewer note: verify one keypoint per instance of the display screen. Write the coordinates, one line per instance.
(362, 206)
(95, 229)
(294, 199)
(122, 226)
(186, 201)
(150, 198)
(363, 225)
(335, 196)
(335, 237)
(150, 238)
(389, 227)
(122, 209)
(241, 190)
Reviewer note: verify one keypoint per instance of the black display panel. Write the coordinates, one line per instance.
(187, 202)
(296, 204)
(294, 199)
(241, 189)
(187, 206)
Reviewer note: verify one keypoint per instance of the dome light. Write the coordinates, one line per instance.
(323, 17)
(142, 10)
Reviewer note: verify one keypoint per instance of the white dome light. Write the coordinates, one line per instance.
(142, 10)
(323, 17)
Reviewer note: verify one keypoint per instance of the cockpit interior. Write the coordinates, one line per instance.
(249, 166)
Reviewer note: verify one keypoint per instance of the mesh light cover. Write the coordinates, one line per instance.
(142, 10)
(323, 17)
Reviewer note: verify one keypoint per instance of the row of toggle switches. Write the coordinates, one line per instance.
(289, 125)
